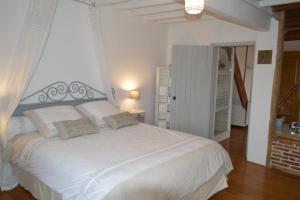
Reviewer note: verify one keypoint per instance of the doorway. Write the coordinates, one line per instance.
(201, 91)
(235, 92)
(242, 91)
(242, 85)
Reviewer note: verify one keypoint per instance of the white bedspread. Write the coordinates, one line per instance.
(90, 167)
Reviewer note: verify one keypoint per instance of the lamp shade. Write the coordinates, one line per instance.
(194, 6)
(134, 94)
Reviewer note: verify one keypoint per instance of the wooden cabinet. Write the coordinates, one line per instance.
(289, 89)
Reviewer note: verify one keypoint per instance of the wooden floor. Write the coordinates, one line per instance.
(248, 181)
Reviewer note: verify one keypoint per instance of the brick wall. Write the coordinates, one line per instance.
(285, 155)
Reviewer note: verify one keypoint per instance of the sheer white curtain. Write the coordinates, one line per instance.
(95, 17)
(15, 77)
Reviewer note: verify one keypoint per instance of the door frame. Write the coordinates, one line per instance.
(236, 44)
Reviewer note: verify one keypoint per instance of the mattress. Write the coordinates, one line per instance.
(134, 162)
(41, 191)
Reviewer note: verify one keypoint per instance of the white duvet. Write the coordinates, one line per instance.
(90, 167)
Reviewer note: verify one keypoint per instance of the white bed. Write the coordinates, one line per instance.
(135, 162)
(130, 163)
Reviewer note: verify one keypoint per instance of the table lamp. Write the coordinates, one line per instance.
(134, 95)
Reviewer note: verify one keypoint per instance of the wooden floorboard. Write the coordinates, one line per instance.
(248, 181)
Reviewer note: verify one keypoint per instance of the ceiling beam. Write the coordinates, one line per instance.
(173, 20)
(286, 7)
(276, 2)
(292, 20)
(157, 9)
(176, 15)
(166, 15)
(136, 4)
(239, 12)
(185, 19)
(99, 3)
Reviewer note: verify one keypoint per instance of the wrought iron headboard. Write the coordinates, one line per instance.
(60, 93)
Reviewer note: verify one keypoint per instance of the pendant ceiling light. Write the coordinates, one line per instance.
(194, 7)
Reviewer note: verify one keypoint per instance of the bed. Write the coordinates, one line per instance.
(134, 162)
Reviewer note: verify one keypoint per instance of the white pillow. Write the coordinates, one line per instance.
(96, 110)
(44, 118)
(18, 126)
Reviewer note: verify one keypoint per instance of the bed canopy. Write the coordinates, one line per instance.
(29, 50)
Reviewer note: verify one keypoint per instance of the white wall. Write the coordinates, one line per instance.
(134, 48)
(219, 32)
(292, 45)
(70, 52)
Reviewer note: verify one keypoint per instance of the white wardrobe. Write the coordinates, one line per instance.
(201, 90)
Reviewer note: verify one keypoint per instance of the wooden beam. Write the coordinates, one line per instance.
(292, 20)
(136, 4)
(292, 35)
(99, 3)
(184, 19)
(285, 7)
(236, 11)
(276, 81)
(173, 20)
(157, 9)
(276, 2)
(178, 14)
(240, 12)
(166, 15)
(240, 83)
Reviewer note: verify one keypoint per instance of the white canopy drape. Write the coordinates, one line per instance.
(15, 77)
(95, 18)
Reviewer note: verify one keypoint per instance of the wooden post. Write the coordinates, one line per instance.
(276, 80)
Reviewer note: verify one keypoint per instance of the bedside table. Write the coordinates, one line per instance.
(139, 114)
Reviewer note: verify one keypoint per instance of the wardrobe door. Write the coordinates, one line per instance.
(191, 91)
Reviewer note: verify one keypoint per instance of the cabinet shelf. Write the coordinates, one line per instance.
(222, 108)
(223, 95)
(163, 85)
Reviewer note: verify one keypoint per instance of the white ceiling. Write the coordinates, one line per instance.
(161, 11)
(172, 11)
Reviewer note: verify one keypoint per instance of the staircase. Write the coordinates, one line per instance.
(240, 83)
(283, 100)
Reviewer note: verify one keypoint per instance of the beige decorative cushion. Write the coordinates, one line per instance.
(43, 118)
(96, 110)
(120, 120)
(74, 128)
